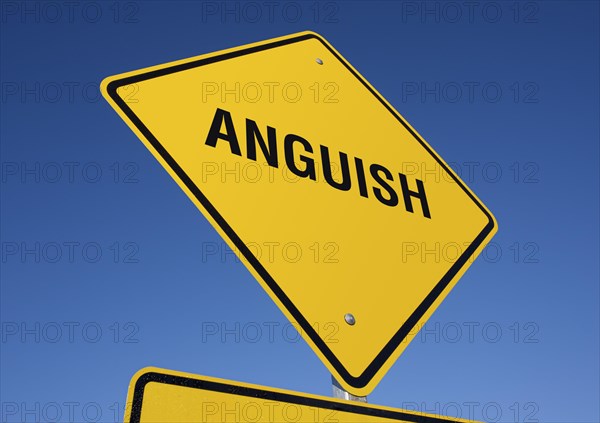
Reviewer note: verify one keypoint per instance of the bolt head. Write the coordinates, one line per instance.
(349, 318)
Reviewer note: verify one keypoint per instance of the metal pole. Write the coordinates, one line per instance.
(339, 392)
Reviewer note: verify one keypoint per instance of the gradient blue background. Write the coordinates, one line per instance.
(545, 143)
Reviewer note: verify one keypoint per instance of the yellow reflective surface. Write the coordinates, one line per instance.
(283, 114)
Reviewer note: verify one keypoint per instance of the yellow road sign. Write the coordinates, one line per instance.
(164, 396)
(350, 221)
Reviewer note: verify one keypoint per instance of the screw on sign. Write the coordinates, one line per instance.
(347, 157)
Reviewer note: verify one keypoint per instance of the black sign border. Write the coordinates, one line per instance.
(355, 381)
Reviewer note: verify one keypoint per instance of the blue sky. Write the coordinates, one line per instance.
(103, 270)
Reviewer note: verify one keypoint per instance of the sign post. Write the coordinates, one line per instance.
(341, 393)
